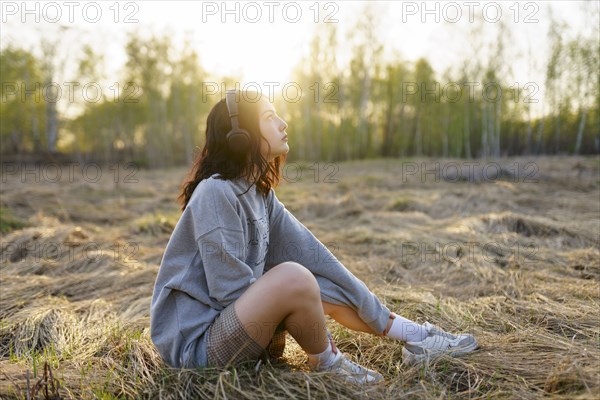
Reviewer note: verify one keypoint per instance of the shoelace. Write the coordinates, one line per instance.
(355, 368)
(439, 332)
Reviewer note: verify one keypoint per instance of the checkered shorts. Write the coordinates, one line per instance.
(229, 343)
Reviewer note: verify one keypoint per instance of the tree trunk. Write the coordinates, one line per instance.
(557, 132)
(467, 133)
(51, 126)
(484, 134)
(363, 119)
(318, 131)
(528, 144)
(418, 147)
(580, 131)
(445, 138)
(538, 145)
(187, 135)
(386, 146)
(307, 120)
(498, 118)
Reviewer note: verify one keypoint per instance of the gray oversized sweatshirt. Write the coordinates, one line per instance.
(221, 244)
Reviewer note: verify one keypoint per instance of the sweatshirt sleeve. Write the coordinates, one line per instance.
(220, 238)
(290, 240)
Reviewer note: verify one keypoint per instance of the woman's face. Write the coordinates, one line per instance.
(272, 127)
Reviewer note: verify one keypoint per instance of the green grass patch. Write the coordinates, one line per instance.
(8, 221)
(401, 204)
(157, 224)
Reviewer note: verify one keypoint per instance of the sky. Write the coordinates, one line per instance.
(269, 38)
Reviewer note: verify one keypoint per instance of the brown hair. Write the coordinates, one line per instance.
(217, 157)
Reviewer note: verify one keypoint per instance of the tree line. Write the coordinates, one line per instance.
(155, 115)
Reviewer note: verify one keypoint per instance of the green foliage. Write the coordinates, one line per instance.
(362, 109)
(23, 116)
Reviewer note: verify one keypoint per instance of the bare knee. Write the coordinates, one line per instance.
(294, 278)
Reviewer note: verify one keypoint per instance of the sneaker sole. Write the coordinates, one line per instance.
(360, 380)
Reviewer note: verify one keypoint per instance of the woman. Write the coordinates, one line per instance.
(240, 270)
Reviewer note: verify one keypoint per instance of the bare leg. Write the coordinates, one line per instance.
(350, 319)
(287, 292)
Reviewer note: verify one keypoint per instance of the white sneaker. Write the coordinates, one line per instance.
(351, 371)
(436, 344)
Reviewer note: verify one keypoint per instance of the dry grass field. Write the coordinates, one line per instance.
(515, 260)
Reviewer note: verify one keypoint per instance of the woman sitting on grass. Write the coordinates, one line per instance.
(240, 270)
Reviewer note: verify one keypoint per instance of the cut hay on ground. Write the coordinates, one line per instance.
(514, 261)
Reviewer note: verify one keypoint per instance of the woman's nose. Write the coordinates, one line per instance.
(284, 125)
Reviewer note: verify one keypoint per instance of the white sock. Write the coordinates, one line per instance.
(324, 359)
(406, 330)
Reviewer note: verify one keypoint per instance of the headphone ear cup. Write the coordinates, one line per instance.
(238, 140)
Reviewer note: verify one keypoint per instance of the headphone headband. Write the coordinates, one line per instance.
(233, 108)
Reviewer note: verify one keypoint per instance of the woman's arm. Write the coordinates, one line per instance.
(227, 275)
(290, 240)
(220, 237)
